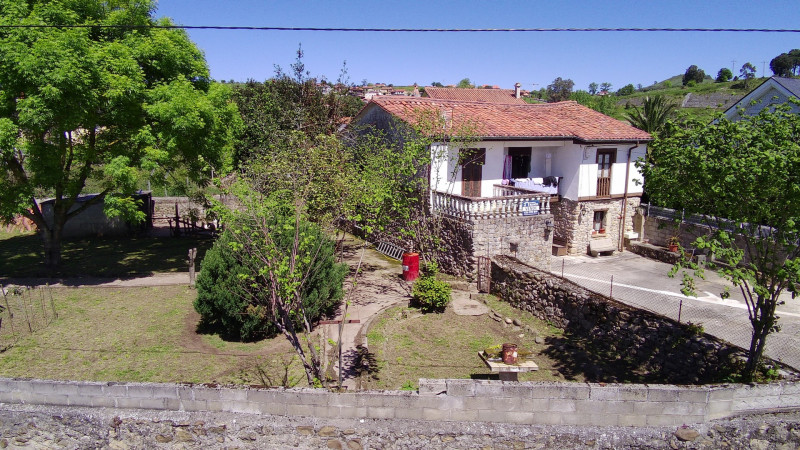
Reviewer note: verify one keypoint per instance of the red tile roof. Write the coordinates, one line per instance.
(474, 95)
(562, 120)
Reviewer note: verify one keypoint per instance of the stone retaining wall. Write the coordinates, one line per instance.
(657, 347)
(437, 400)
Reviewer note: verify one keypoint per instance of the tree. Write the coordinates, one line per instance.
(465, 83)
(559, 90)
(437, 84)
(653, 115)
(693, 73)
(102, 105)
(592, 88)
(605, 87)
(786, 64)
(747, 73)
(222, 299)
(601, 103)
(740, 177)
(628, 89)
(724, 75)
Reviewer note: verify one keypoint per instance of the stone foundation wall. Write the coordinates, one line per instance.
(526, 238)
(487, 401)
(164, 208)
(574, 221)
(658, 347)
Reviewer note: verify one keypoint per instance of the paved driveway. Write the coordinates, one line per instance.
(644, 283)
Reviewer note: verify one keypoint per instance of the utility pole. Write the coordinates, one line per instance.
(733, 64)
(763, 69)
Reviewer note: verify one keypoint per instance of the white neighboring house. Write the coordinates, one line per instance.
(775, 90)
(558, 158)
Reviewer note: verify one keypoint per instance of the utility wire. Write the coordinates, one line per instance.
(422, 30)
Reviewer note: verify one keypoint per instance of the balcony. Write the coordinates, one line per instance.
(508, 201)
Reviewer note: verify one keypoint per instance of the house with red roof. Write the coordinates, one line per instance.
(540, 173)
(491, 95)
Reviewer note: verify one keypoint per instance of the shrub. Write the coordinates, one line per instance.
(223, 306)
(431, 294)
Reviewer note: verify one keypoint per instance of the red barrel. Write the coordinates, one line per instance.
(410, 266)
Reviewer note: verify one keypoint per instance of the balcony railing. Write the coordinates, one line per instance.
(515, 204)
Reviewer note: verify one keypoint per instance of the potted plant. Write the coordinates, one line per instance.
(673, 244)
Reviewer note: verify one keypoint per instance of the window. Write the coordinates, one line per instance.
(599, 222)
(520, 161)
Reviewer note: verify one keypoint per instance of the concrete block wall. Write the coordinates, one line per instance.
(544, 403)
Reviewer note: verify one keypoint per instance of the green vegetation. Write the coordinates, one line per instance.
(110, 105)
(746, 168)
(101, 257)
(131, 334)
(430, 294)
(408, 346)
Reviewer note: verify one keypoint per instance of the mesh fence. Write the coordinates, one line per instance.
(727, 319)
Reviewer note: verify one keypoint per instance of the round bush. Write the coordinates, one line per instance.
(431, 294)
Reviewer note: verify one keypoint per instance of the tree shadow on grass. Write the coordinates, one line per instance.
(101, 256)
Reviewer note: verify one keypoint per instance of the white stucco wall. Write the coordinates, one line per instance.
(576, 164)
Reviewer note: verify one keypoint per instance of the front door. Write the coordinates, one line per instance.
(605, 159)
(472, 160)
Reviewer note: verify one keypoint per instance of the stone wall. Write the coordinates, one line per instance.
(543, 403)
(657, 347)
(462, 241)
(574, 221)
(526, 238)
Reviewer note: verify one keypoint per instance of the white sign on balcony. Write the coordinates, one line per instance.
(530, 207)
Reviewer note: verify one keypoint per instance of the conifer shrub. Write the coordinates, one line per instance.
(221, 301)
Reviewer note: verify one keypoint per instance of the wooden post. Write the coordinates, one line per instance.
(8, 308)
(177, 221)
(192, 256)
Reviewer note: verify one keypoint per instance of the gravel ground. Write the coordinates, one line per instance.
(27, 426)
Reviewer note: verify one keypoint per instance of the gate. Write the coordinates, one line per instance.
(484, 274)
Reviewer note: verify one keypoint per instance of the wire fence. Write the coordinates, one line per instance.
(24, 311)
(726, 319)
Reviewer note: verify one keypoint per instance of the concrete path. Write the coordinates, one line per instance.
(379, 287)
(643, 283)
(157, 279)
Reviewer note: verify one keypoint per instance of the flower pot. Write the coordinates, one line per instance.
(673, 248)
(509, 353)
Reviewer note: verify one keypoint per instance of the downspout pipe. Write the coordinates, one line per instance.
(625, 199)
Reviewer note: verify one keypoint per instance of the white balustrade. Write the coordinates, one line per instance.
(515, 203)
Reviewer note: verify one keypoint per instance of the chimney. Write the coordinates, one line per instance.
(415, 92)
(516, 89)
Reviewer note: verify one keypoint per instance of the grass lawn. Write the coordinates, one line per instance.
(408, 345)
(21, 255)
(130, 334)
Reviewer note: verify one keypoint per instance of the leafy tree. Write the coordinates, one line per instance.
(592, 88)
(101, 105)
(605, 87)
(437, 84)
(465, 83)
(747, 73)
(628, 89)
(601, 103)
(693, 73)
(559, 90)
(741, 178)
(275, 109)
(786, 64)
(724, 75)
(653, 114)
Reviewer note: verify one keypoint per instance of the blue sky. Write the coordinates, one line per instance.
(533, 59)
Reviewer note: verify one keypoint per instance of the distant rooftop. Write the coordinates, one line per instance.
(474, 95)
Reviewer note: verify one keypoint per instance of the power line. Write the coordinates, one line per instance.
(421, 30)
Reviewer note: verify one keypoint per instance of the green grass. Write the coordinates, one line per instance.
(412, 345)
(21, 255)
(129, 334)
